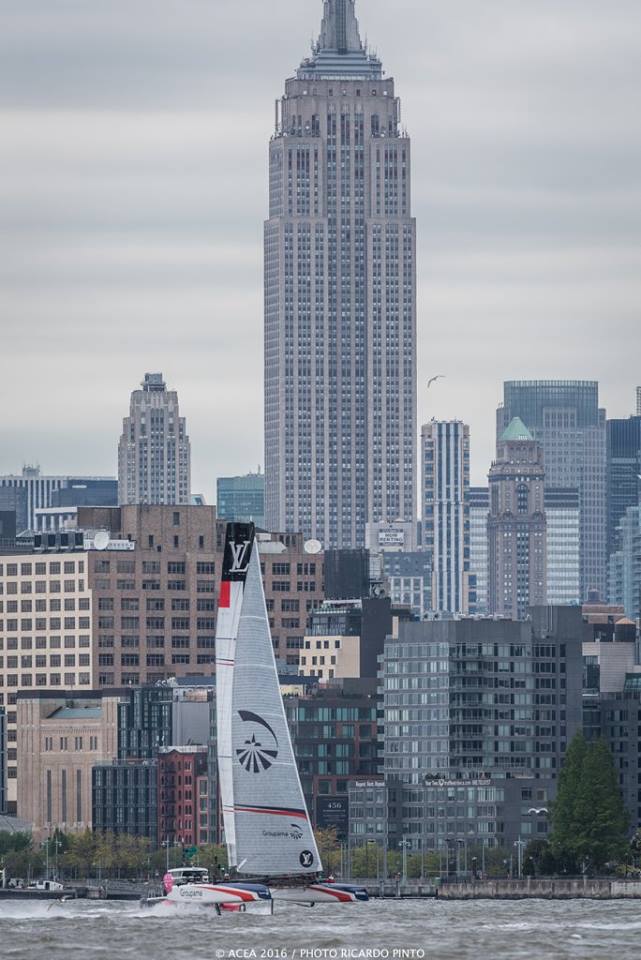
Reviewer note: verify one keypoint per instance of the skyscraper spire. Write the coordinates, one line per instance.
(339, 29)
(340, 51)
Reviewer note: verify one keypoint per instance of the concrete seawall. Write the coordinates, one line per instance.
(579, 889)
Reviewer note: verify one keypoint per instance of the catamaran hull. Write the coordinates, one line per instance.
(214, 895)
(320, 893)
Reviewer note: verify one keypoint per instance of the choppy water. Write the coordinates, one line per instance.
(490, 930)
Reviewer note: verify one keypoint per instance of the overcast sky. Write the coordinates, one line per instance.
(133, 189)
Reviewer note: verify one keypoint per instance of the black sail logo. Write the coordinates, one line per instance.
(258, 752)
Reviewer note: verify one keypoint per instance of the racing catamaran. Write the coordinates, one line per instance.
(268, 831)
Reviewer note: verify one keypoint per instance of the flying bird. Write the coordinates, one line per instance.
(439, 376)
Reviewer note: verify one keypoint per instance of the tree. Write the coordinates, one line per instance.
(539, 859)
(589, 820)
(329, 848)
(213, 858)
(81, 853)
(564, 808)
(14, 842)
(602, 819)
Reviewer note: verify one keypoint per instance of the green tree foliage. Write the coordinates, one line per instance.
(329, 848)
(80, 854)
(564, 809)
(589, 820)
(13, 842)
(539, 859)
(213, 858)
(601, 814)
(19, 857)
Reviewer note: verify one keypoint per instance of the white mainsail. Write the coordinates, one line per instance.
(267, 826)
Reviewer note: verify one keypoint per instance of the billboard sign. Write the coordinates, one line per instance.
(332, 813)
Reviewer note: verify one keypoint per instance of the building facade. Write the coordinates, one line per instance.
(125, 798)
(13, 507)
(563, 516)
(479, 573)
(477, 715)
(624, 470)
(445, 459)
(293, 580)
(32, 490)
(154, 453)
(516, 528)
(340, 297)
(624, 574)
(7, 525)
(409, 577)
(183, 795)
(45, 634)
(346, 639)
(334, 731)
(145, 722)
(347, 574)
(241, 499)
(154, 605)
(3, 760)
(140, 611)
(60, 738)
(615, 718)
(564, 417)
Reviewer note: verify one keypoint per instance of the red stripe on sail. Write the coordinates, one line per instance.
(225, 594)
(273, 811)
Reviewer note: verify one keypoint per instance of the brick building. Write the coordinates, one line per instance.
(138, 611)
(294, 588)
(183, 795)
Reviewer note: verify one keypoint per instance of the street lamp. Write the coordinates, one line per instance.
(520, 844)
(378, 869)
(459, 844)
(448, 842)
(57, 844)
(405, 845)
(45, 844)
(167, 844)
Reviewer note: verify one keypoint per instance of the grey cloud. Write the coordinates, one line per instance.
(133, 188)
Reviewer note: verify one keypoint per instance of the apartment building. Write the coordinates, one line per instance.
(45, 634)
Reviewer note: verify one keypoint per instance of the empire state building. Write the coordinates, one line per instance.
(340, 297)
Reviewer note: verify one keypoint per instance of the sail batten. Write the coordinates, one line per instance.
(267, 825)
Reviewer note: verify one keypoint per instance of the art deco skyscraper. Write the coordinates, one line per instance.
(154, 453)
(516, 526)
(340, 297)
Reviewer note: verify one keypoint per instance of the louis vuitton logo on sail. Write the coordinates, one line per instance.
(238, 551)
(240, 556)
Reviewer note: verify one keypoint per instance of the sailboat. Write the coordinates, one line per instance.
(268, 832)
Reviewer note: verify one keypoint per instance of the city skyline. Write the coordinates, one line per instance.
(508, 229)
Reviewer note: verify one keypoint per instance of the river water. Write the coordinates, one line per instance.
(388, 930)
